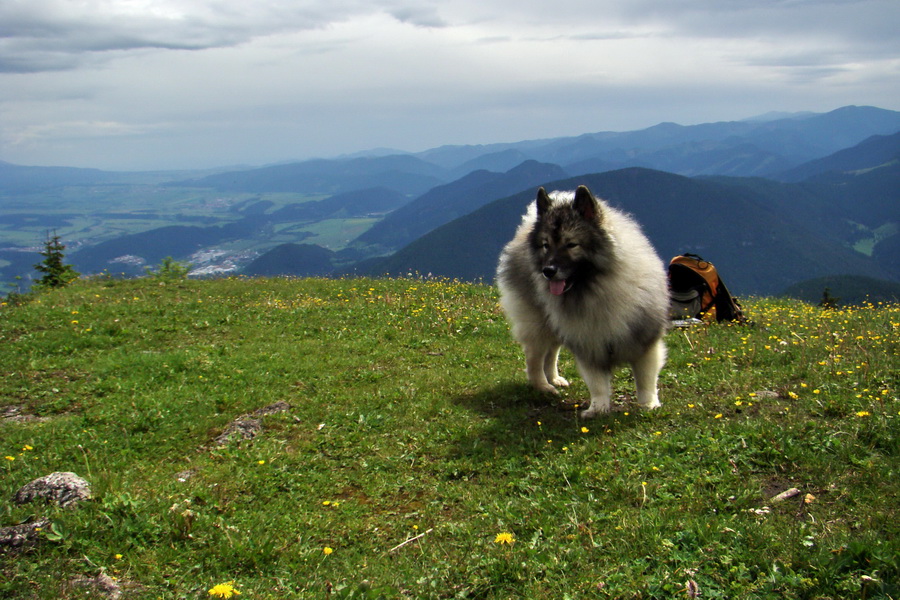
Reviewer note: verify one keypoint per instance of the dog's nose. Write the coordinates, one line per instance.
(549, 272)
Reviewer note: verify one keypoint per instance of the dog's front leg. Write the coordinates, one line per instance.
(551, 368)
(537, 359)
(599, 383)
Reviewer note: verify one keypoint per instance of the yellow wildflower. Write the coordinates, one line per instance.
(504, 538)
(326, 550)
(224, 590)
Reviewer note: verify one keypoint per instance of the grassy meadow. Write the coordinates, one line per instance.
(414, 462)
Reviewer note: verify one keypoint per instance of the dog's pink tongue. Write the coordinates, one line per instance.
(557, 286)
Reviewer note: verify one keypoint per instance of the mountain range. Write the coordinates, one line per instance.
(771, 202)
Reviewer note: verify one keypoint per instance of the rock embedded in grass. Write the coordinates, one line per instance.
(64, 488)
(246, 427)
(23, 535)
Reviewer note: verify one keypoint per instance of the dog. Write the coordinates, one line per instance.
(581, 274)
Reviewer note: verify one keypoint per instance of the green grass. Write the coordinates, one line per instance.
(333, 234)
(866, 245)
(410, 417)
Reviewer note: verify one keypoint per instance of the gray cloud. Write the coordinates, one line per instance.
(114, 84)
(43, 35)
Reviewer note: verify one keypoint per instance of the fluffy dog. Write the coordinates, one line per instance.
(579, 273)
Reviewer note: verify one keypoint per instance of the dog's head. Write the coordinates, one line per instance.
(568, 240)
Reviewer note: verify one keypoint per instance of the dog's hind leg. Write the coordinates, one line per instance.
(599, 383)
(646, 374)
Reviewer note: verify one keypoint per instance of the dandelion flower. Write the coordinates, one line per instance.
(327, 550)
(10, 457)
(863, 413)
(224, 590)
(584, 430)
(718, 416)
(504, 538)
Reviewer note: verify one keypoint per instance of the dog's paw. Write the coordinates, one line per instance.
(594, 410)
(649, 403)
(560, 381)
(547, 389)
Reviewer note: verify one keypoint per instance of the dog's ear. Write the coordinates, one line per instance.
(586, 205)
(543, 201)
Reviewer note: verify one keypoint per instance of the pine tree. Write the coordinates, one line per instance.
(828, 301)
(56, 273)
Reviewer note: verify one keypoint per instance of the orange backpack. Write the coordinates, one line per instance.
(697, 291)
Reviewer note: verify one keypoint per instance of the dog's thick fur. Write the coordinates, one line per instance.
(581, 274)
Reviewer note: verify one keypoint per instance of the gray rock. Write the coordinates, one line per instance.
(246, 427)
(66, 489)
(17, 537)
(102, 586)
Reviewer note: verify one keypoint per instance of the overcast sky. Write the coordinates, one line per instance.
(161, 84)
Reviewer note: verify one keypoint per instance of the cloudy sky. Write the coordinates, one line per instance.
(162, 84)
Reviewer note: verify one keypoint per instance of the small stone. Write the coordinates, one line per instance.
(18, 536)
(102, 585)
(790, 493)
(241, 428)
(64, 488)
(185, 475)
(280, 406)
(247, 427)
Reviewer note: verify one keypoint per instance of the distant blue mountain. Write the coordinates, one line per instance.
(450, 201)
(402, 173)
(773, 200)
(873, 152)
(757, 247)
(740, 148)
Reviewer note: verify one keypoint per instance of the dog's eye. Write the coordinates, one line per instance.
(571, 245)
